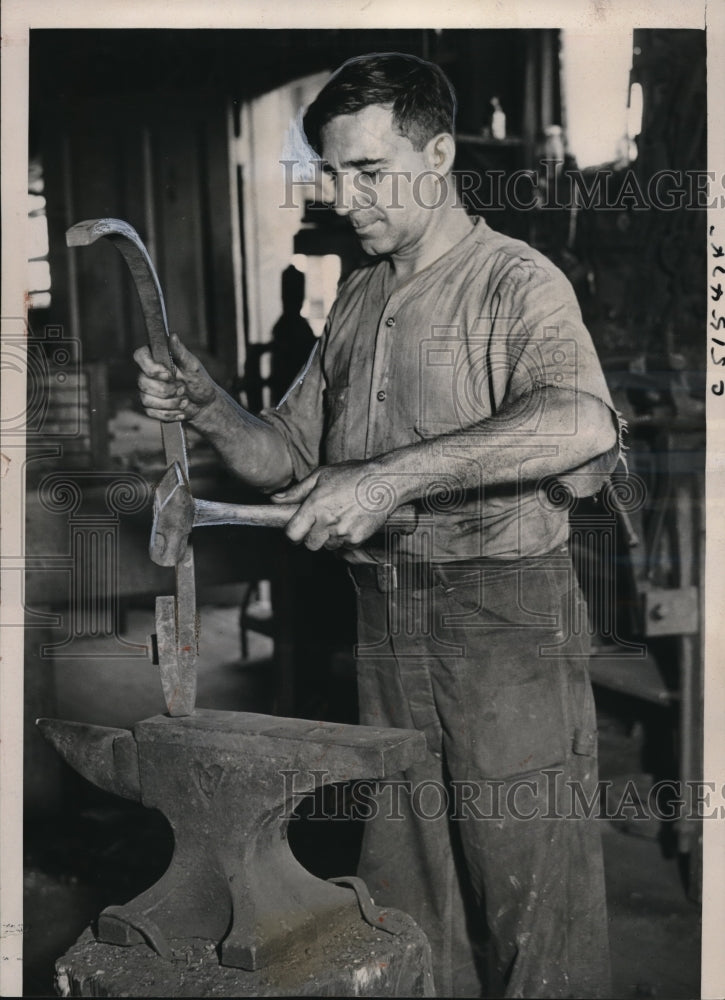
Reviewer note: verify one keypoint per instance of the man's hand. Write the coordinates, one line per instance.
(181, 396)
(332, 514)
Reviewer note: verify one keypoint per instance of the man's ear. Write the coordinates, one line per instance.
(440, 152)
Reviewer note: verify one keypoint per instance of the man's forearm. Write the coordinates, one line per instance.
(571, 430)
(254, 450)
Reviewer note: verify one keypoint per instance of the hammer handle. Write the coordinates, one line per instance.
(261, 515)
(276, 515)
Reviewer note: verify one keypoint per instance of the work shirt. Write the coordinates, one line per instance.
(488, 322)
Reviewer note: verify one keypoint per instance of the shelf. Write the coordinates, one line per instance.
(479, 140)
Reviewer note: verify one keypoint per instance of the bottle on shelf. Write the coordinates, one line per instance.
(498, 119)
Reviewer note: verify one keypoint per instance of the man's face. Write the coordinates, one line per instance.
(377, 179)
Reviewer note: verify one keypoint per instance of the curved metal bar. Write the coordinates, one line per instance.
(128, 243)
(176, 623)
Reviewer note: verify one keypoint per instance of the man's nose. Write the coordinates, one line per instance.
(352, 193)
(341, 202)
(328, 189)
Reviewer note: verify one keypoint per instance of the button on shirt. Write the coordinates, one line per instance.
(489, 321)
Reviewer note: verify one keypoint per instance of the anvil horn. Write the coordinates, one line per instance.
(107, 757)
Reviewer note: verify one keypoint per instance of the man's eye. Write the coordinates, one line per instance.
(371, 175)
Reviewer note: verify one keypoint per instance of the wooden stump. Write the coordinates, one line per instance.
(351, 959)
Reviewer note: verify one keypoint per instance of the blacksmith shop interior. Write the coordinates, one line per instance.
(188, 137)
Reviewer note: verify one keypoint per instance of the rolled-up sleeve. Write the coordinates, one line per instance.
(549, 347)
(548, 342)
(299, 416)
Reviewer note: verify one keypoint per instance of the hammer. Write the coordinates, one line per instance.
(176, 512)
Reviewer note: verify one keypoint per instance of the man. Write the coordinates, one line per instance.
(455, 374)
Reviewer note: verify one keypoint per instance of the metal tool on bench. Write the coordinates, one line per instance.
(174, 645)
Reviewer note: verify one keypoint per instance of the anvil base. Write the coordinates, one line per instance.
(350, 959)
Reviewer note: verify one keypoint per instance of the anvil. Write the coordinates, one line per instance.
(228, 782)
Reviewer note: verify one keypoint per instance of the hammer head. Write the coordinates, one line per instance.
(173, 518)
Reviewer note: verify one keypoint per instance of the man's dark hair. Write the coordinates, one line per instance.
(420, 95)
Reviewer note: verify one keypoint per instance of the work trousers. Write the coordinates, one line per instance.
(488, 842)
